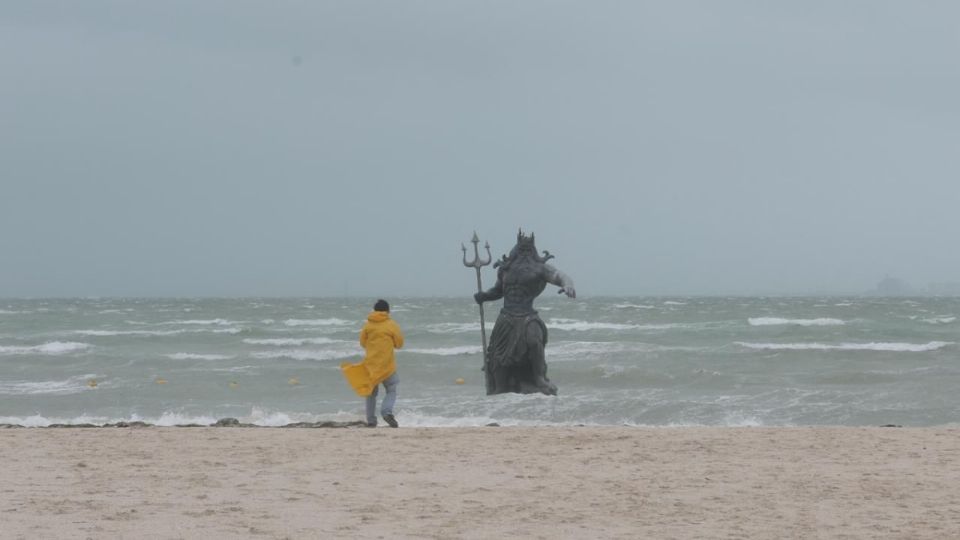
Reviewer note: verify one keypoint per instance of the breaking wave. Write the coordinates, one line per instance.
(887, 347)
(193, 356)
(448, 351)
(453, 328)
(109, 333)
(203, 322)
(585, 326)
(307, 354)
(775, 321)
(73, 385)
(292, 342)
(51, 348)
(634, 306)
(318, 322)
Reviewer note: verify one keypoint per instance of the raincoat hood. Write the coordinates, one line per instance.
(378, 316)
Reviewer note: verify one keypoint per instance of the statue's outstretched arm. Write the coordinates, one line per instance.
(493, 293)
(561, 280)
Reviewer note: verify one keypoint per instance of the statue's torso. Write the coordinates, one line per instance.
(522, 282)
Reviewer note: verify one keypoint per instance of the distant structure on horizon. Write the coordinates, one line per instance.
(950, 288)
(892, 286)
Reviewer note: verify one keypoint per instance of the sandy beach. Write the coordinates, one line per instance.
(493, 482)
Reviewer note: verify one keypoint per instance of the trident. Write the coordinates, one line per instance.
(478, 263)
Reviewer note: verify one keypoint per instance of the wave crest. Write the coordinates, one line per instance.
(318, 322)
(875, 346)
(292, 342)
(584, 326)
(195, 356)
(307, 354)
(73, 385)
(448, 351)
(777, 321)
(51, 348)
(940, 320)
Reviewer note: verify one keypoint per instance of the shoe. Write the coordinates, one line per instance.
(391, 420)
(370, 424)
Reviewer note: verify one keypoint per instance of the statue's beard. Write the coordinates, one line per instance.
(527, 256)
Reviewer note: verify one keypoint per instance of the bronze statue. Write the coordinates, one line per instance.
(514, 361)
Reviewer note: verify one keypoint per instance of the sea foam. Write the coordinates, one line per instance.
(292, 342)
(307, 354)
(109, 333)
(203, 322)
(194, 356)
(585, 326)
(73, 385)
(318, 322)
(448, 351)
(51, 348)
(775, 321)
(453, 328)
(891, 347)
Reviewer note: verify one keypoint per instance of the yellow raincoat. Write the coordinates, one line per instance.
(380, 336)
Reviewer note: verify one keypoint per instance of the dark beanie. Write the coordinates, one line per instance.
(381, 305)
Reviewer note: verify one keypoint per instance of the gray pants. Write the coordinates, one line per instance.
(390, 384)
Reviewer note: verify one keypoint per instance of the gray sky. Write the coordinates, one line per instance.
(327, 148)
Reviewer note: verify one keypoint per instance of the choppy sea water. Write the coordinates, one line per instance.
(637, 361)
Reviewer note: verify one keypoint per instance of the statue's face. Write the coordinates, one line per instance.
(526, 248)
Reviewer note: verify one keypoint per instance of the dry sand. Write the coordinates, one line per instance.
(495, 482)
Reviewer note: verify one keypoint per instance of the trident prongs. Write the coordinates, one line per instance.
(477, 261)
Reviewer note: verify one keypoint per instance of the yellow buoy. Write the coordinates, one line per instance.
(460, 380)
(294, 380)
(160, 380)
(92, 383)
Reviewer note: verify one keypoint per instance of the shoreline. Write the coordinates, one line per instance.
(481, 482)
(328, 424)
(324, 424)
(222, 423)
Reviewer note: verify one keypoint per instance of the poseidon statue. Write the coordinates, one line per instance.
(515, 360)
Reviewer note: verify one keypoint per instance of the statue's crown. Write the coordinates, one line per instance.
(525, 241)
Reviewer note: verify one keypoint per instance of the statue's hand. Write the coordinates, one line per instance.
(569, 291)
(478, 297)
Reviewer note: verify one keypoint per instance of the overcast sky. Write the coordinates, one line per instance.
(223, 148)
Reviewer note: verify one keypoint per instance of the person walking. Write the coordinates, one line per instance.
(379, 337)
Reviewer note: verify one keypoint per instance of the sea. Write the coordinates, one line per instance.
(637, 361)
